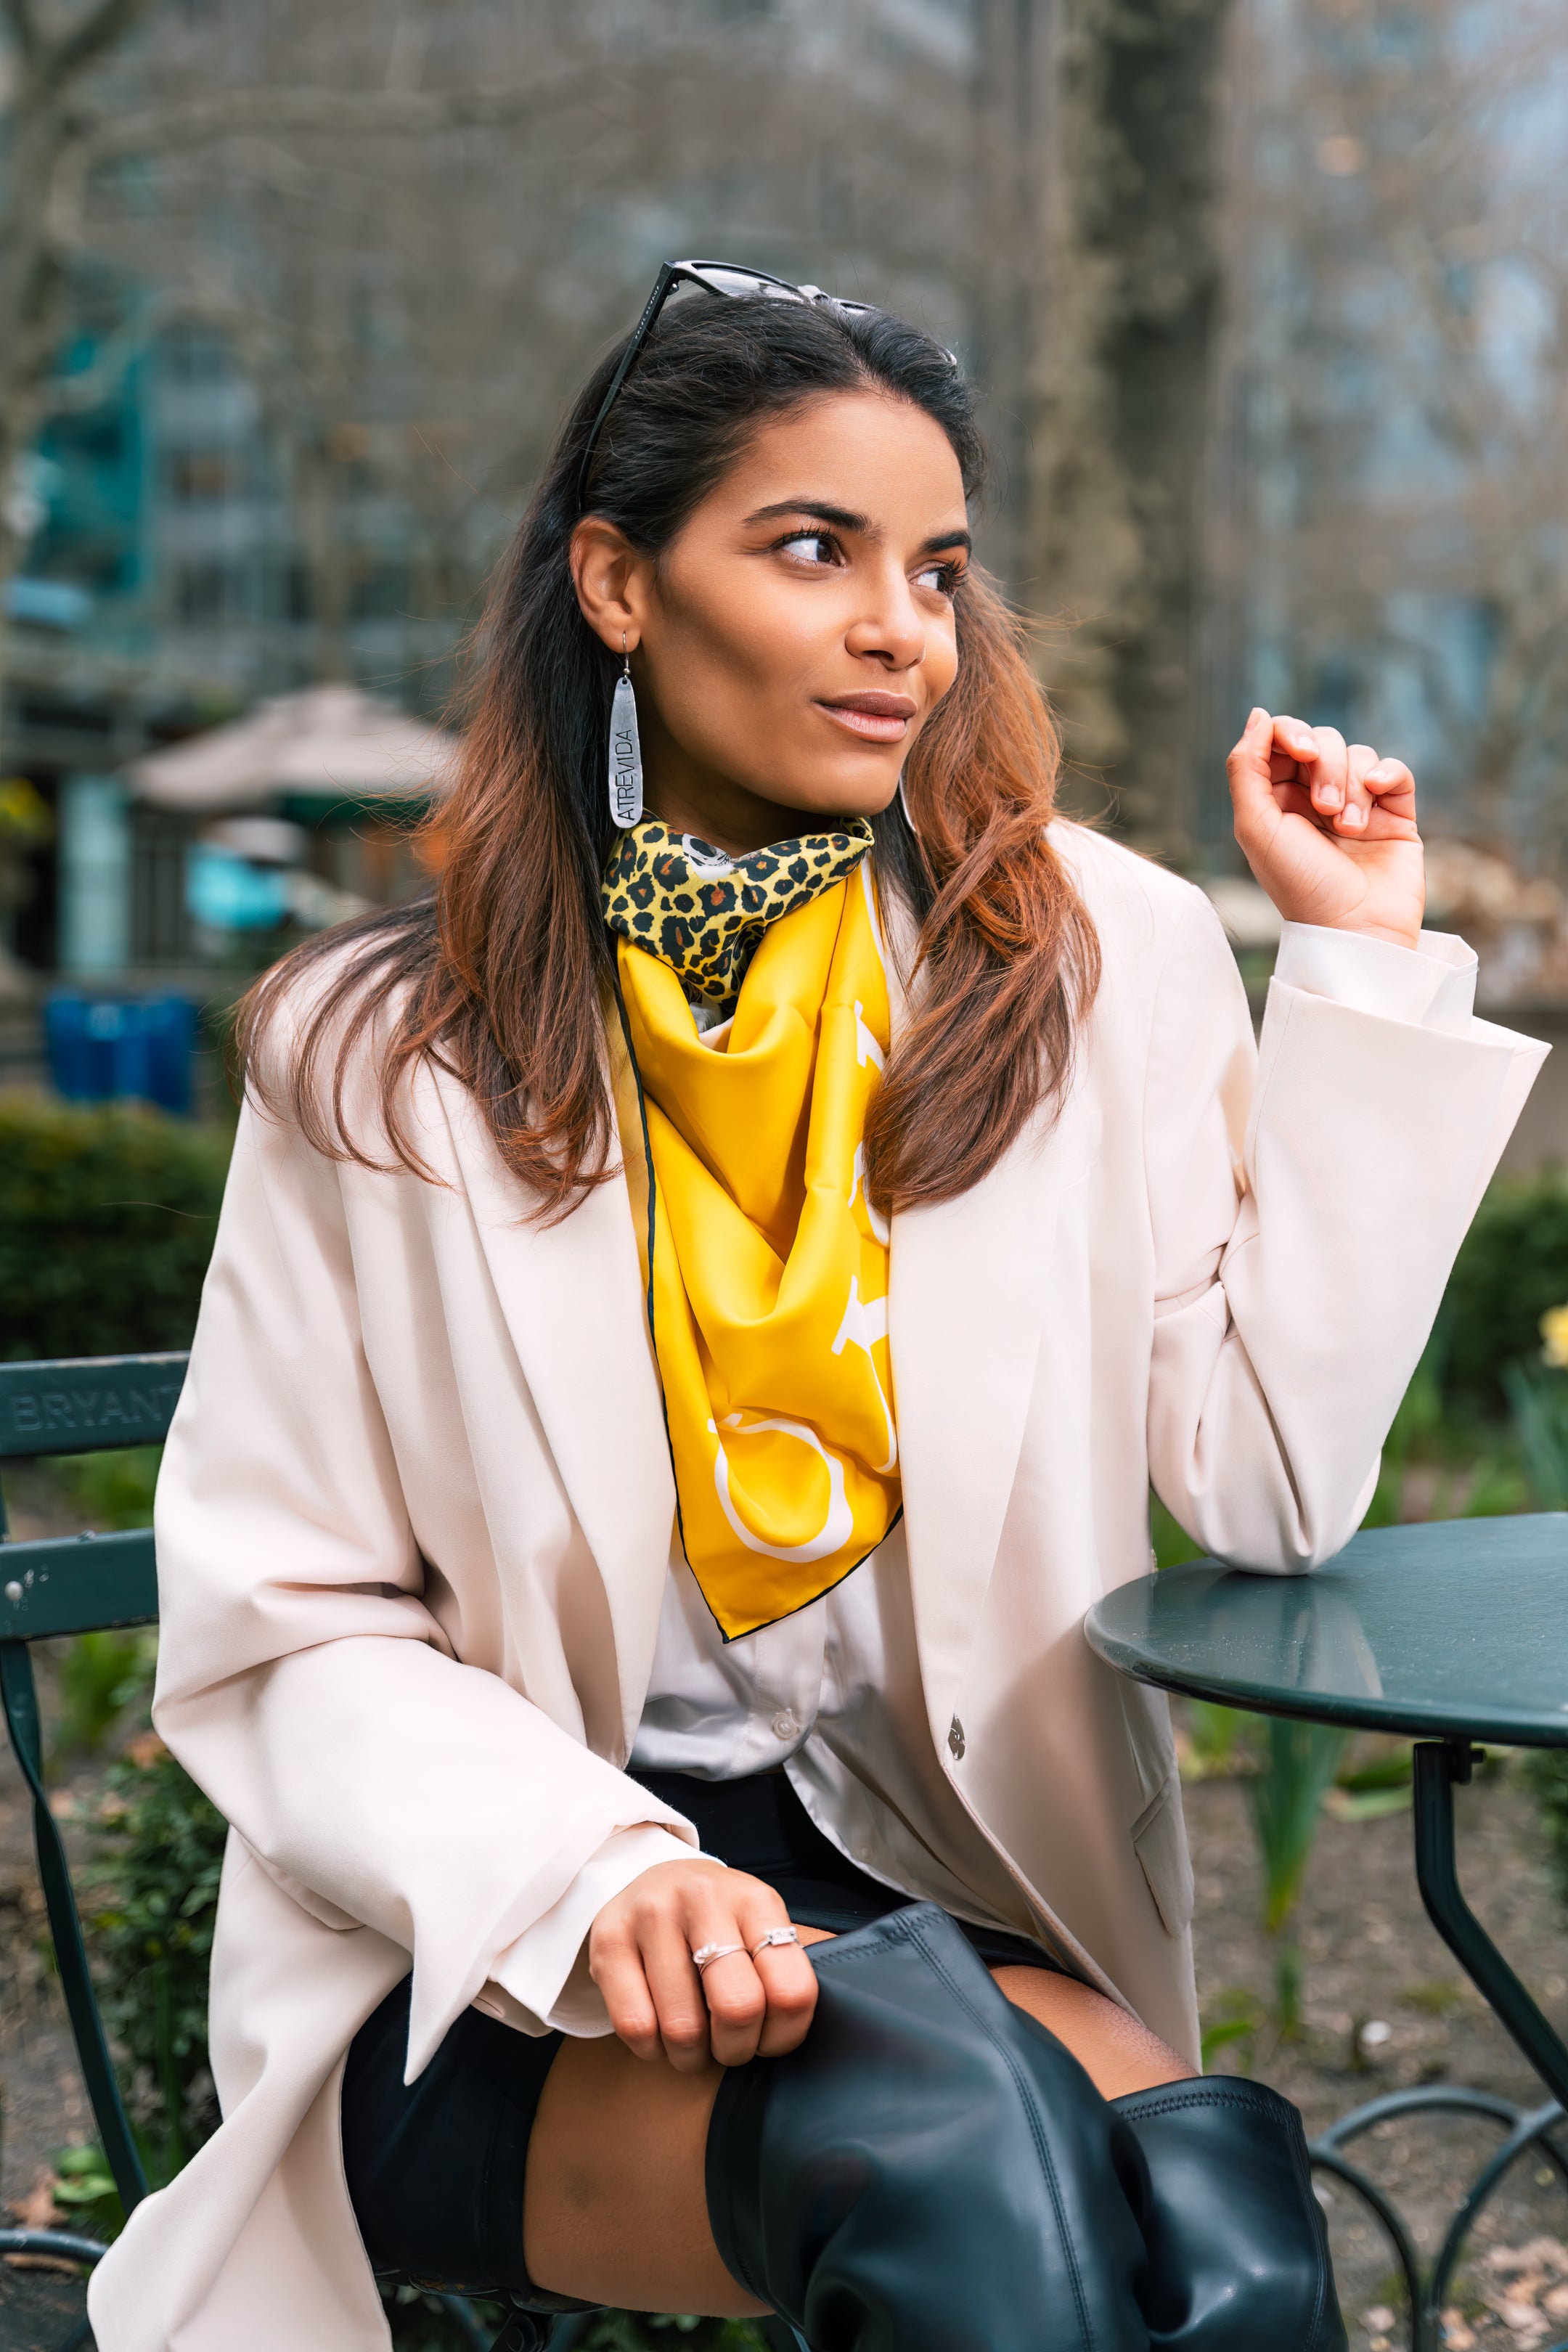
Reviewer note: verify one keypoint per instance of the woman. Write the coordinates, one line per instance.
(696, 1314)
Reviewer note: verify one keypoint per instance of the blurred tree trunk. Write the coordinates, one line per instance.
(1119, 395)
(1014, 123)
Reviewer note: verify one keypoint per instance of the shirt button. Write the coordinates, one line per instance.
(956, 1739)
(786, 1723)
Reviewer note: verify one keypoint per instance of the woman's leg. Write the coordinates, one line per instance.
(615, 2209)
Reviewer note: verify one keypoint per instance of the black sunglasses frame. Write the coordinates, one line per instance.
(691, 273)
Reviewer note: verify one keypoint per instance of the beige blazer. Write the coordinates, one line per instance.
(416, 1514)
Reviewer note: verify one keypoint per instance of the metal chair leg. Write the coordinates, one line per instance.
(18, 1693)
(1440, 1764)
(469, 2325)
(62, 2245)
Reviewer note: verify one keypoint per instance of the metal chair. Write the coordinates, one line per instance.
(75, 1584)
(86, 1584)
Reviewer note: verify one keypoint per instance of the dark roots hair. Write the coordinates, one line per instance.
(503, 974)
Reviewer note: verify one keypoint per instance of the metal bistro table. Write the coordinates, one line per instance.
(1446, 1634)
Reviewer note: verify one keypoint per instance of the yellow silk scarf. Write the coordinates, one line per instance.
(766, 1265)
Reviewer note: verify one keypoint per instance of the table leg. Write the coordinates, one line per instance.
(1438, 1764)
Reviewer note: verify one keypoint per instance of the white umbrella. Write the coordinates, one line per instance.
(330, 742)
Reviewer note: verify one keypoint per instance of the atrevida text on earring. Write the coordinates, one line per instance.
(625, 751)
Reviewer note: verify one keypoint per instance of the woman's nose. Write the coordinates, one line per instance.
(892, 631)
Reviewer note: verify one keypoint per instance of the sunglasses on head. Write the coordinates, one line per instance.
(715, 277)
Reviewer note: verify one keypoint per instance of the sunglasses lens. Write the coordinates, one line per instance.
(740, 284)
(754, 285)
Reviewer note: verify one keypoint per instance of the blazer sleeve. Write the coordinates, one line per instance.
(1307, 1198)
(302, 1680)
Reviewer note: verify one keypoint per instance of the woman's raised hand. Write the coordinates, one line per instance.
(1329, 828)
(753, 2002)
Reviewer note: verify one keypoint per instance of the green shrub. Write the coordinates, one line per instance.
(101, 1676)
(1537, 1400)
(161, 1850)
(109, 1490)
(1512, 1266)
(107, 1218)
(1546, 1771)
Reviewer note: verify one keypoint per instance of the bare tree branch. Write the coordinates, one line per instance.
(23, 27)
(102, 29)
(392, 111)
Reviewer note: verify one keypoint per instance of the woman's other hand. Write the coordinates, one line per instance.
(1329, 828)
(740, 2006)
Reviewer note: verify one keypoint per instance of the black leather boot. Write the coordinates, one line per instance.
(1238, 2255)
(930, 2171)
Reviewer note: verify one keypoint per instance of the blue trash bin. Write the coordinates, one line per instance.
(106, 1048)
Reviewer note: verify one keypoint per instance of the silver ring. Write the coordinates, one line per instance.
(706, 1953)
(775, 1936)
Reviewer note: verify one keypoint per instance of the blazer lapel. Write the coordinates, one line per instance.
(966, 1298)
(570, 1295)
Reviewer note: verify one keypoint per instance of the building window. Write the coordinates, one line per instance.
(195, 474)
(208, 593)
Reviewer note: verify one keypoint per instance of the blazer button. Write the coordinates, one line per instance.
(956, 1739)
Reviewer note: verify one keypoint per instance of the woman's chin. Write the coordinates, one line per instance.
(859, 793)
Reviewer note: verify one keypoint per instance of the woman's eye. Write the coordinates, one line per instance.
(811, 547)
(942, 578)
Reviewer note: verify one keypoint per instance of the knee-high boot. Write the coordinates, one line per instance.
(1237, 2252)
(930, 2171)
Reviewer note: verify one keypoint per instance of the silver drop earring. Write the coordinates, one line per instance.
(625, 749)
(903, 803)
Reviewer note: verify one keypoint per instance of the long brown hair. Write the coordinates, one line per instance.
(503, 974)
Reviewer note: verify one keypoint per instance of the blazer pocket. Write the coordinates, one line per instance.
(1159, 1842)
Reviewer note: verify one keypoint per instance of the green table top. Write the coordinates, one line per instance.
(1460, 1626)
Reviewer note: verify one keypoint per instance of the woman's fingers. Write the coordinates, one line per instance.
(1378, 789)
(1323, 759)
(789, 1980)
(1393, 787)
(1250, 771)
(749, 1997)
(761, 2002)
(1312, 772)
(617, 1967)
(1356, 814)
(737, 2005)
(680, 1992)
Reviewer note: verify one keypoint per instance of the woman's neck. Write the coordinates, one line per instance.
(728, 816)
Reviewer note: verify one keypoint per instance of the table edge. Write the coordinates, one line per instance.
(1392, 1716)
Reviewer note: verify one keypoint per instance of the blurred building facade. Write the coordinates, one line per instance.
(164, 590)
(309, 378)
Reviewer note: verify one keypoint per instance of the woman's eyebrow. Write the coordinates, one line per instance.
(842, 518)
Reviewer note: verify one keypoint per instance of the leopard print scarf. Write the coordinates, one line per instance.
(704, 912)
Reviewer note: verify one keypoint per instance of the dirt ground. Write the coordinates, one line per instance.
(1384, 2008)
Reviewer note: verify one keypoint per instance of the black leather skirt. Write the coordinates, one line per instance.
(436, 2167)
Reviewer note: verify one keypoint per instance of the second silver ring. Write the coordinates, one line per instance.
(706, 1953)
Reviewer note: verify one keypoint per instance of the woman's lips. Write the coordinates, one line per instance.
(876, 717)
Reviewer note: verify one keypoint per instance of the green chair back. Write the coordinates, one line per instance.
(77, 1584)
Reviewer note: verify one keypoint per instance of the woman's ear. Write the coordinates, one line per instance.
(612, 582)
